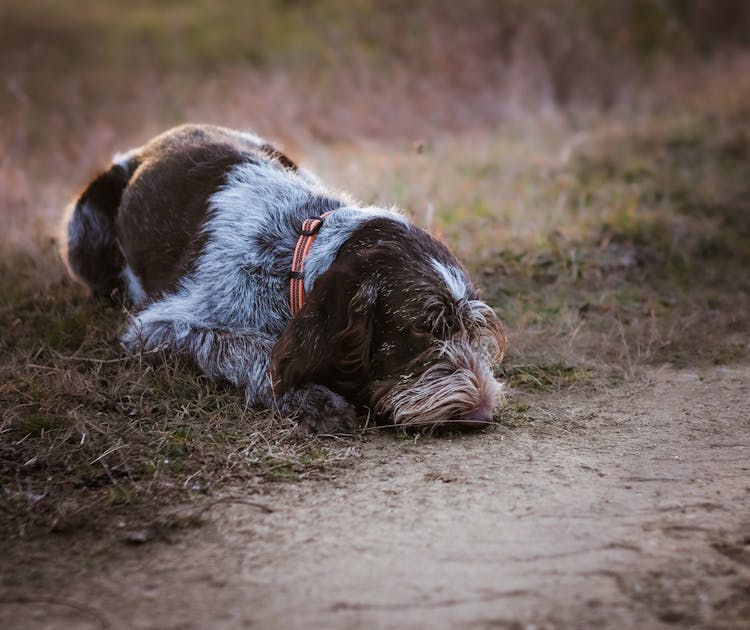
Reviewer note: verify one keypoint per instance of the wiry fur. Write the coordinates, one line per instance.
(197, 230)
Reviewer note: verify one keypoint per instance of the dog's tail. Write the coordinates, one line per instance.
(89, 246)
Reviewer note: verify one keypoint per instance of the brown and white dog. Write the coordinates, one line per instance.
(215, 239)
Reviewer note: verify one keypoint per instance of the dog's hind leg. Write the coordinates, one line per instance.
(90, 248)
(241, 357)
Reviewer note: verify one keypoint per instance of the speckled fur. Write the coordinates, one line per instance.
(199, 237)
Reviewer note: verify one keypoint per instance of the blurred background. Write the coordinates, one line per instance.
(510, 127)
(79, 79)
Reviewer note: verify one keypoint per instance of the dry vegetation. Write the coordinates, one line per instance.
(605, 238)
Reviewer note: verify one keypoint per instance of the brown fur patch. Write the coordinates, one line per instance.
(272, 152)
(159, 224)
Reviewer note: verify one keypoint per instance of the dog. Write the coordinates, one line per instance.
(229, 254)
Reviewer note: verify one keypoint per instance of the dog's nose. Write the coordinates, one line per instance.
(477, 418)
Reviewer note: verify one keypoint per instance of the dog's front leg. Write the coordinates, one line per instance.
(241, 357)
(319, 408)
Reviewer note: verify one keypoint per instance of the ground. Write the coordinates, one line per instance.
(614, 507)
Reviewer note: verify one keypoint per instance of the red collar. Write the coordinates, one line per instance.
(310, 229)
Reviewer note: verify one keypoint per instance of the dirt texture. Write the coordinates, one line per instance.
(624, 506)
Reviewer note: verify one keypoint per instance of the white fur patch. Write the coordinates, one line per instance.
(453, 278)
(122, 159)
(133, 286)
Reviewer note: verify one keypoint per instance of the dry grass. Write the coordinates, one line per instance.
(87, 435)
(604, 240)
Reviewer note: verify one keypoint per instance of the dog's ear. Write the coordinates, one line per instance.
(328, 341)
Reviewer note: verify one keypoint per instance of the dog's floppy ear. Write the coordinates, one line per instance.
(328, 341)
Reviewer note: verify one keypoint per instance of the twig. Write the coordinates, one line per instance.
(109, 451)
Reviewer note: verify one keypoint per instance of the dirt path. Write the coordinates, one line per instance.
(626, 507)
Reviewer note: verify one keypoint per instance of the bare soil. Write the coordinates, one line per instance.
(613, 507)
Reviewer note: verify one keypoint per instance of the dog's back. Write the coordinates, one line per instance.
(145, 250)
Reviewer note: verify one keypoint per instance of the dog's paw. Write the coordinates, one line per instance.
(321, 410)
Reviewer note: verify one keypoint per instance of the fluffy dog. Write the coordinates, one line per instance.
(315, 306)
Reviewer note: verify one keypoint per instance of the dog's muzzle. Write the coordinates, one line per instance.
(451, 383)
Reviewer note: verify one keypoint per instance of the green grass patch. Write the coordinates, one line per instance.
(544, 375)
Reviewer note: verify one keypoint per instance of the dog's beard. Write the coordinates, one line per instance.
(450, 383)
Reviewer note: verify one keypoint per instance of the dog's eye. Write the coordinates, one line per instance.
(414, 339)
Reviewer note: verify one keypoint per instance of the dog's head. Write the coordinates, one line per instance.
(395, 325)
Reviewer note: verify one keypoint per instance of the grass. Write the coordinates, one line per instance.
(606, 242)
(543, 375)
(86, 431)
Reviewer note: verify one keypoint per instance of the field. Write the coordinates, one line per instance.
(606, 217)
